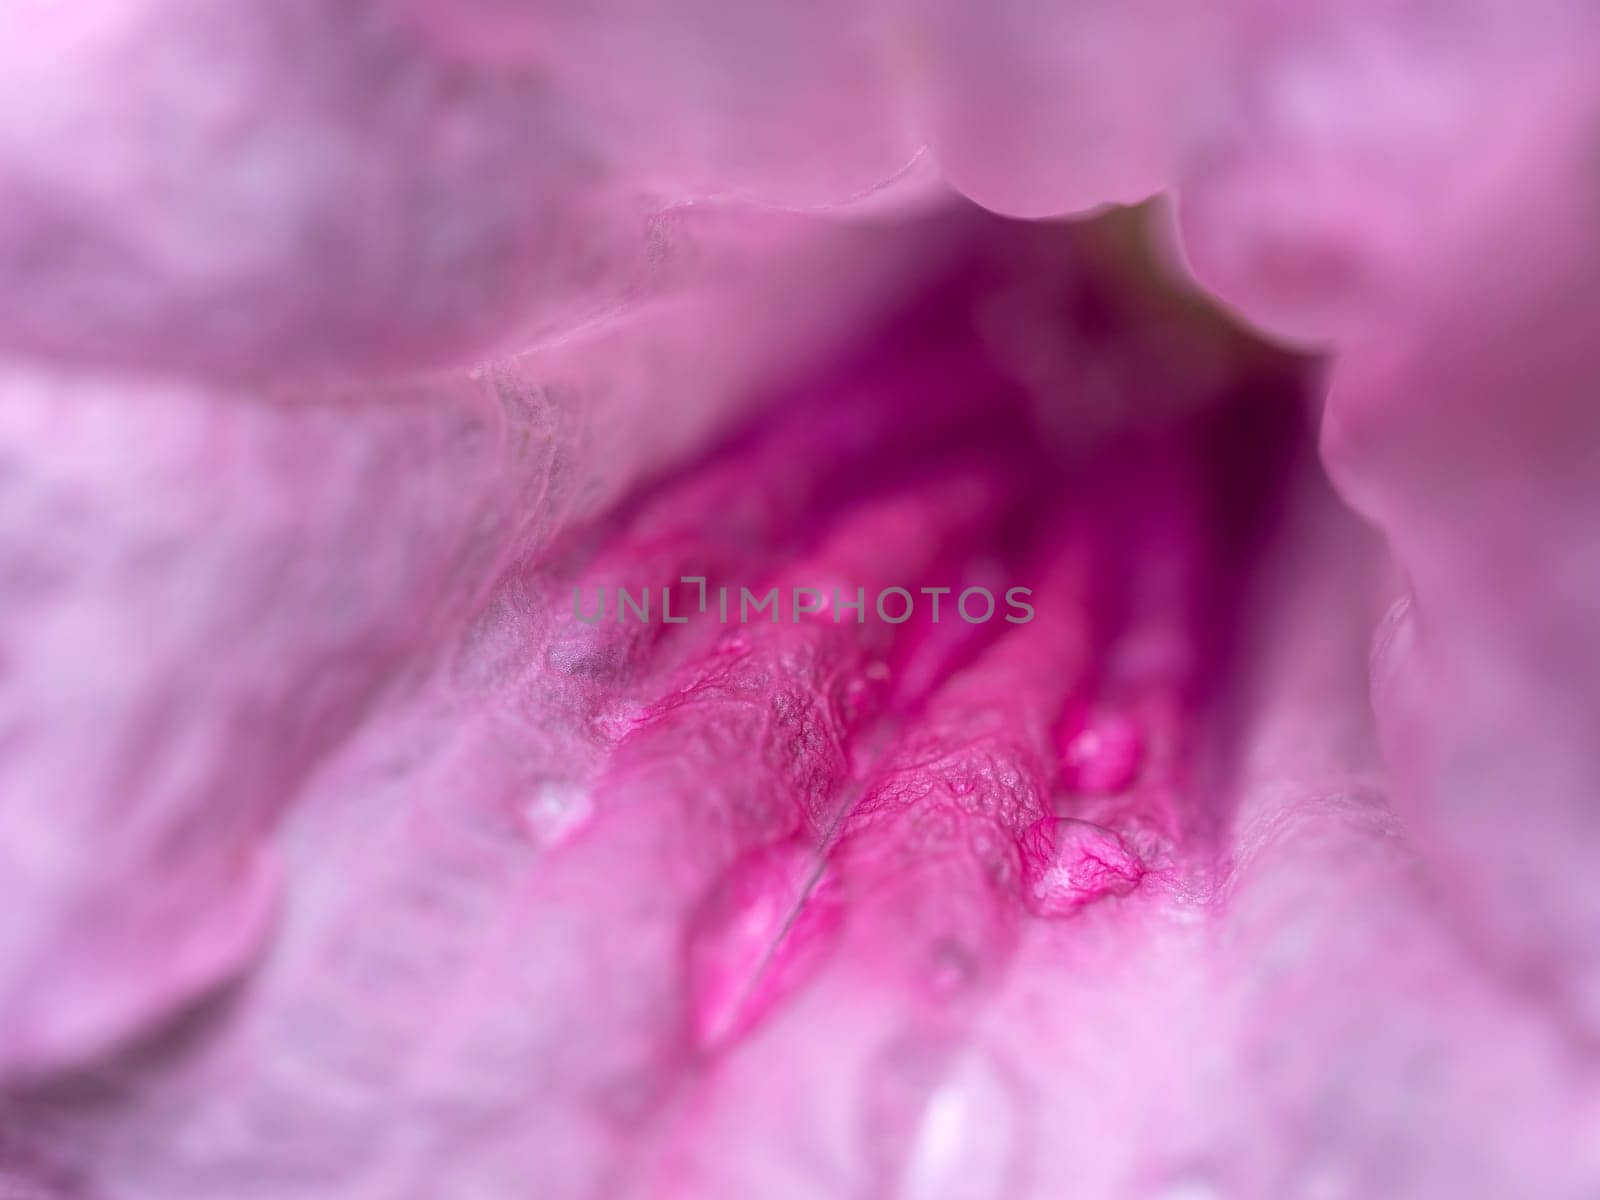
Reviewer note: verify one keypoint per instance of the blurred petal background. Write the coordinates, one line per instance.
(343, 341)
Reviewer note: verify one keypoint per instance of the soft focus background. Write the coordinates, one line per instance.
(341, 339)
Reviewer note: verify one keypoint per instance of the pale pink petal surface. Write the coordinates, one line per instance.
(357, 359)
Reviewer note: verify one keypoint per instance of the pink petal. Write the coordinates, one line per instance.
(209, 591)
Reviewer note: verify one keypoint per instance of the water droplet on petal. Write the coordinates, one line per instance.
(952, 968)
(554, 810)
(943, 1121)
(1104, 756)
(1069, 863)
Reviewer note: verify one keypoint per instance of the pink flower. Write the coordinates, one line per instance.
(588, 612)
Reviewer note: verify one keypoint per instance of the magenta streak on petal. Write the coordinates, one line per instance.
(929, 881)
